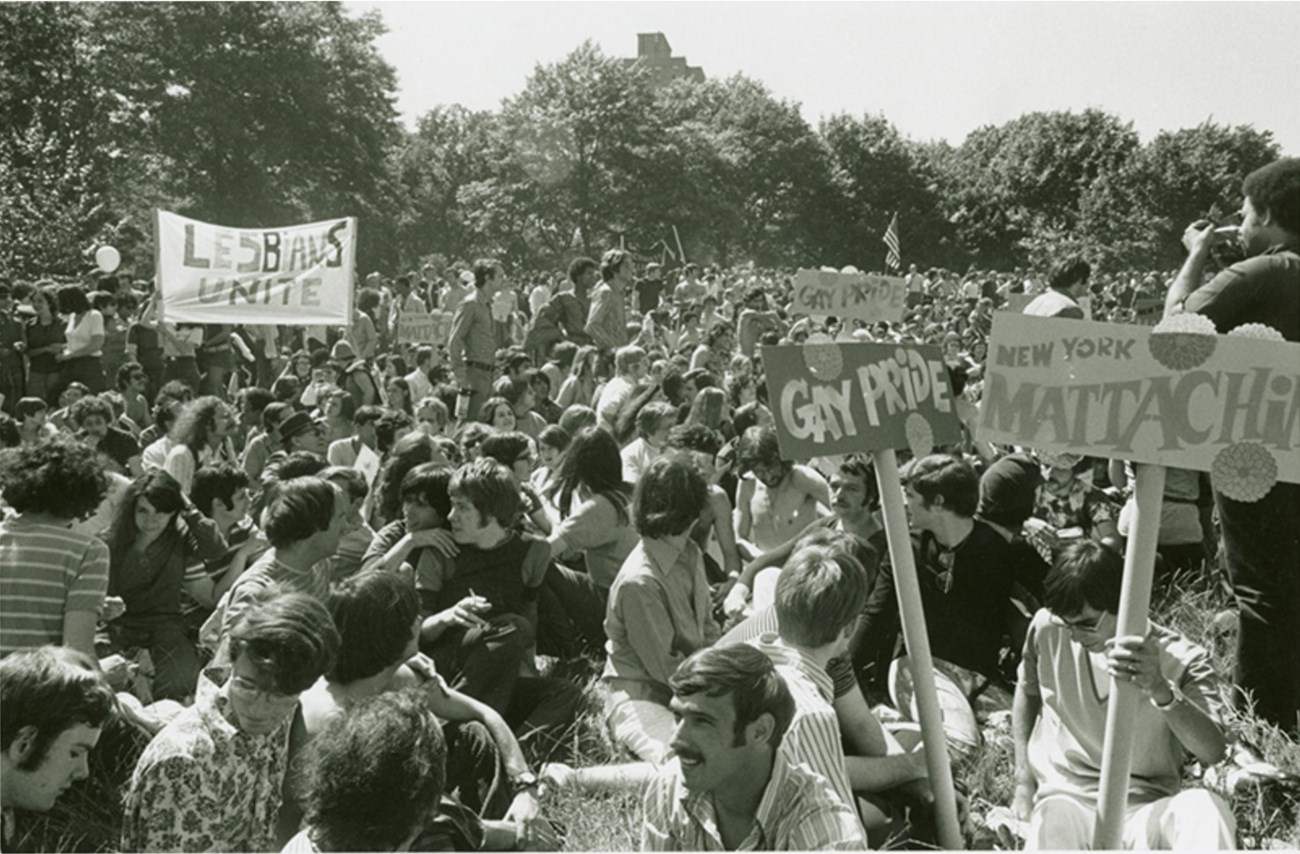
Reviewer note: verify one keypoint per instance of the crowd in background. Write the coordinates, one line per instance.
(250, 527)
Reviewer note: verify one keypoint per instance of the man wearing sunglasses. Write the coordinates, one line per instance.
(1059, 717)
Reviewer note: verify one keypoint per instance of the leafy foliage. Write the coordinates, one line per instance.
(267, 113)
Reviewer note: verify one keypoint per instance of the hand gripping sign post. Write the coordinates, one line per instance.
(837, 398)
(1173, 395)
(296, 275)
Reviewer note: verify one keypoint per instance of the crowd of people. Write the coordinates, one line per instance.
(346, 589)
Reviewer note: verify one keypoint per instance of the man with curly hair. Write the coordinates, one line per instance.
(1260, 539)
(52, 580)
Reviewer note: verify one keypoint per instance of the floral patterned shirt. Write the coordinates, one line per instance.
(203, 785)
(1073, 504)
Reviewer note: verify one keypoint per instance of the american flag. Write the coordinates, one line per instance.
(893, 259)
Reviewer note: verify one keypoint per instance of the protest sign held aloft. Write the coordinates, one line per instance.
(856, 295)
(297, 275)
(417, 327)
(1174, 395)
(839, 398)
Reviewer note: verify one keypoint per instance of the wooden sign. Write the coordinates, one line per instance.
(1173, 395)
(831, 397)
(856, 295)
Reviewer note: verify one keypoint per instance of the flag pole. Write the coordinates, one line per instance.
(681, 253)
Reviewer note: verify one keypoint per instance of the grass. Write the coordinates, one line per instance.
(88, 818)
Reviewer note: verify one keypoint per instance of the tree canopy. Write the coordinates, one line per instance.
(254, 114)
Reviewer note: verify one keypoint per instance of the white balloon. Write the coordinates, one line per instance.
(107, 258)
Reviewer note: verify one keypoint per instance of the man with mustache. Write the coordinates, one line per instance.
(729, 787)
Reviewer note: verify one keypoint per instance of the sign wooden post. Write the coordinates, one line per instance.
(918, 648)
(838, 398)
(1176, 394)
(1134, 602)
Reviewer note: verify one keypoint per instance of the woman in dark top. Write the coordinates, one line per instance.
(45, 339)
(143, 346)
(155, 539)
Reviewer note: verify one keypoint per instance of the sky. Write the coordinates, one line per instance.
(936, 70)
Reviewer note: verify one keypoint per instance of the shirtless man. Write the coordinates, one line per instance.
(776, 501)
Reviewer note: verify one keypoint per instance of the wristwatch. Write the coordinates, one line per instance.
(1176, 696)
(525, 780)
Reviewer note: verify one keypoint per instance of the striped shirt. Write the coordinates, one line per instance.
(813, 738)
(46, 572)
(798, 812)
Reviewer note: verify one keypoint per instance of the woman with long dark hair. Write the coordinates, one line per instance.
(595, 524)
(153, 540)
(81, 359)
(45, 340)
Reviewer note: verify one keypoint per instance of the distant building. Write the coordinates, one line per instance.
(654, 54)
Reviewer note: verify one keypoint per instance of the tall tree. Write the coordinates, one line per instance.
(1005, 186)
(257, 113)
(1135, 215)
(54, 160)
(760, 173)
(878, 173)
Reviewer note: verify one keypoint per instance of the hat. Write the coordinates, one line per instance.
(296, 424)
(467, 277)
(1008, 489)
(342, 351)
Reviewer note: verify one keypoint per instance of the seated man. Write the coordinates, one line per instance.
(730, 788)
(484, 599)
(53, 703)
(304, 523)
(52, 580)
(778, 500)
(1059, 717)
(374, 780)
(379, 625)
(965, 570)
(211, 780)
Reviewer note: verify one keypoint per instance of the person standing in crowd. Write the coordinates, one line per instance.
(729, 787)
(607, 319)
(1071, 655)
(1261, 539)
(81, 359)
(1067, 283)
(472, 345)
(54, 702)
(649, 291)
(13, 344)
(46, 337)
(52, 580)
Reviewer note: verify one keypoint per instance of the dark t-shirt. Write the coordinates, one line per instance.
(43, 336)
(120, 447)
(1263, 289)
(966, 593)
(648, 292)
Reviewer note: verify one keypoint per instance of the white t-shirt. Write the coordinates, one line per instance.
(80, 332)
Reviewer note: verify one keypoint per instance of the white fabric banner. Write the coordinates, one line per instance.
(295, 275)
